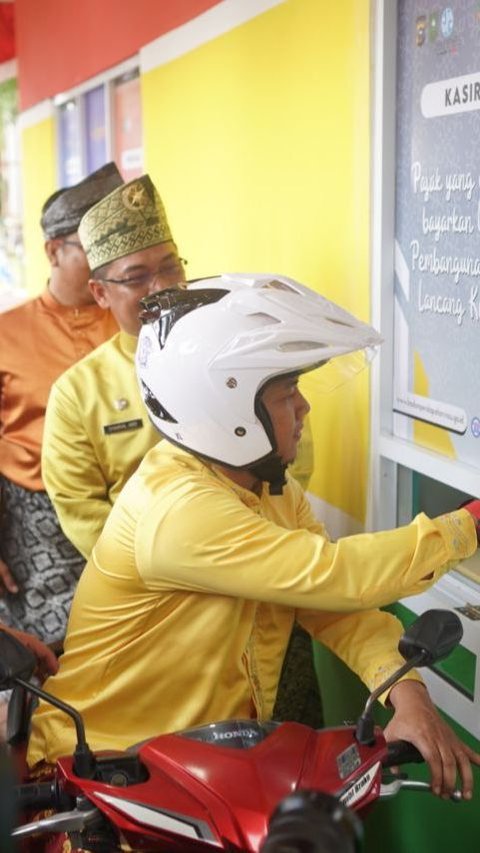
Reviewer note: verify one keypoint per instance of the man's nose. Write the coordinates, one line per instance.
(303, 404)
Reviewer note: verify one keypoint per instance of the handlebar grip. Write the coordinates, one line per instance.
(402, 752)
(36, 795)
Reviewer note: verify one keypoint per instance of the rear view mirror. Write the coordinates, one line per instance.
(432, 636)
(16, 666)
(16, 661)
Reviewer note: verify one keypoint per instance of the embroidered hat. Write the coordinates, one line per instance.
(62, 211)
(129, 219)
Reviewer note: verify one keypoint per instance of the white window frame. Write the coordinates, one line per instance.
(107, 79)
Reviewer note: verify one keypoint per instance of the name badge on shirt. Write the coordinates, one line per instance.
(123, 426)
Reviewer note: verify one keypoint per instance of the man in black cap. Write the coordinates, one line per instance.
(40, 339)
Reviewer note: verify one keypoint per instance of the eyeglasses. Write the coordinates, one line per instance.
(172, 269)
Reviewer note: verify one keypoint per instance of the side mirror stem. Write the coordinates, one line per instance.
(365, 730)
(84, 763)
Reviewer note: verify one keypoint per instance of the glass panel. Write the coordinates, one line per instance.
(70, 143)
(11, 214)
(434, 498)
(127, 126)
(437, 234)
(96, 148)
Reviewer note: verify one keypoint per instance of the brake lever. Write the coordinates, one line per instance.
(73, 821)
(391, 789)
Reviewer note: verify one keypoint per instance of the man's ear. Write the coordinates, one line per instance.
(51, 250)
(99, 292)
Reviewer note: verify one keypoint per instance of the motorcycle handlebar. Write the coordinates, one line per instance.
(315, 822)
(402, 752)
(40, 795)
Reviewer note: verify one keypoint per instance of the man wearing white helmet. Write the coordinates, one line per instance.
(184, 611)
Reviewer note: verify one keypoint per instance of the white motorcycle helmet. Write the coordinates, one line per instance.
(206, 352)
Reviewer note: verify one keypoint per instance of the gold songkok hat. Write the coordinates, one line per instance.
(129, 219)
(62, 211)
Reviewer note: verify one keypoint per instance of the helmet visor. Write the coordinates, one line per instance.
(336, 372)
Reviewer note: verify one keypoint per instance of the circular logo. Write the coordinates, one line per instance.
(446, 22)
(475, 427)
(135, 196)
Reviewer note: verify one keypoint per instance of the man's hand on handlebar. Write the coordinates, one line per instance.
(417, 720)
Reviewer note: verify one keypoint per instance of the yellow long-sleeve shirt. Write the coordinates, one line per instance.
(97, 432)
(183, 613)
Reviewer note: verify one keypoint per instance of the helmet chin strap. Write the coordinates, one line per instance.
(271, 471)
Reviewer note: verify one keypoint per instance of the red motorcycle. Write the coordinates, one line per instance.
(238, 785)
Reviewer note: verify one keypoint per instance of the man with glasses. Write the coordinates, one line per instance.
(97, 430)
(39, 567)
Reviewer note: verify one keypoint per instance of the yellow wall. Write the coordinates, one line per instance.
(259, 144)
(39, 181)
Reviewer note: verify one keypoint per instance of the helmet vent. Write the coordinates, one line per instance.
(337, 322)
(262, 319)
(154, 406)
(274, 284)
(299, 346)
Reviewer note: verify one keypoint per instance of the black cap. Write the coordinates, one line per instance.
(62, 211)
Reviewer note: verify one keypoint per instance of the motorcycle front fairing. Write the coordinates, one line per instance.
(217, 785)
